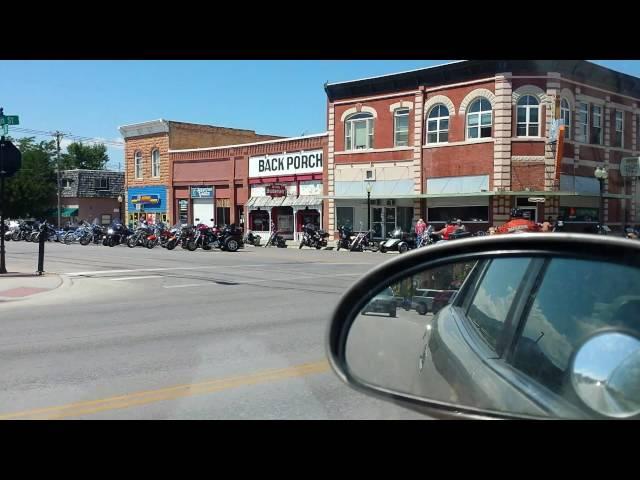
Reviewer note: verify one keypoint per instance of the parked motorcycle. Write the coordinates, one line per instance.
(117, 233)
(344, 237)
(22, 231)
(83, 234)
(276, 240)
(179, 237)
(399, 242)
(313, 238)
(202, 237)
(363, 242)
(230, 238)
(252, 239)
(139, 236)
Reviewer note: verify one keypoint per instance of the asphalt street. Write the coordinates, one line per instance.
(156, 334)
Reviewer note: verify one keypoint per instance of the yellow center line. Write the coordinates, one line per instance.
(169, 393)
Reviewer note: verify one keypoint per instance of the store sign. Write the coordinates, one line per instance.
(276, 190)
(630, 167)
(153, 200)
(309, 161)
(536, 199)
(201, 192)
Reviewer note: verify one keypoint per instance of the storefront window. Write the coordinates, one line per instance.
(405, 218)
(259, 220)
(223, 215)
(466, 214)
(183, 211)
(579, 214)
(344, 216)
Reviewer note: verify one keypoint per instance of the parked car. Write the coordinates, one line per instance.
(384, 302)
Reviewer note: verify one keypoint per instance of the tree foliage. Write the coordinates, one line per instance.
(89, 157)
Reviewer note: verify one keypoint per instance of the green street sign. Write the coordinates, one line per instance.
(9, 120)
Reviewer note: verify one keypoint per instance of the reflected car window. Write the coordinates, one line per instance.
(574, 300)
(495, 294)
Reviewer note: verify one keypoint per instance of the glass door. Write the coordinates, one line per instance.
(376, 221)
(383, 221)
(389, 220)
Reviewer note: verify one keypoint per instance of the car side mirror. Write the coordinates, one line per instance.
(502, 332)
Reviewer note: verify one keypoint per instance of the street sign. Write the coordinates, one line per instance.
(10, 158)
(630, 167)
(9, 120)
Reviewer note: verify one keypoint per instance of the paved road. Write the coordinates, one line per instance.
(137, 333)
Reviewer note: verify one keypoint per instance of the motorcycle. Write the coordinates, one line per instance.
(139, 236)
(46, 229)
(276, 240)
(179, 237)
(363, 241)
(313, 238)
(252, 239)
(399, 242)
(203, 236)
(344, 238)
(117, 233)
(83, 234)
(230, 238)
(159, 236)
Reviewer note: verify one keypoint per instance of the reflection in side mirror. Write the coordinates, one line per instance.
(496, 333)
(606, 374)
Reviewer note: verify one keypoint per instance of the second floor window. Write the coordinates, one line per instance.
(155, 163)
(359, 131)
(565, 114)
(401, 127)
(619, 139)
(479, 119)
(66, 183)
(438, 125)
(582, 122)
(101, 183)
(137, 161)
(596, 125)
(528, 115)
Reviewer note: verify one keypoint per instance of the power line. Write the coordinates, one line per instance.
(79, 138)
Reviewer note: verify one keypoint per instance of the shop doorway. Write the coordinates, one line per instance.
(203, 209)
(283, 218)
(383, 221)
(529, 209)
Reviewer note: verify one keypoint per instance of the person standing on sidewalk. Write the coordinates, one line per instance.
(421, 226)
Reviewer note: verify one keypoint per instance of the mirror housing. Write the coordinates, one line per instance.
(543, 245)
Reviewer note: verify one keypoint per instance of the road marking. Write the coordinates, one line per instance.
(251, 282)
(170, 393)
(134, 278)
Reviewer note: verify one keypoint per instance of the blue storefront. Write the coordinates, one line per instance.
(149, 203)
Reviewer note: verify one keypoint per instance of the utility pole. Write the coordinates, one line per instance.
(58, 136)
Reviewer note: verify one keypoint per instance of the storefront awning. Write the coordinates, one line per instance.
(64, 212)
(307, 200)
(267, 202)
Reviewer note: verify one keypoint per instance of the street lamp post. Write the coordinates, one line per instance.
(601, 175)
(369, 186)
(120, 199)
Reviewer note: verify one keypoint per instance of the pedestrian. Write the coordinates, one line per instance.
(421, 226)
(547, 226)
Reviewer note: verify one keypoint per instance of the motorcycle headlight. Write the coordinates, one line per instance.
(110, 231)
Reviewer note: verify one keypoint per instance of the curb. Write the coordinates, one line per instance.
(64, 281)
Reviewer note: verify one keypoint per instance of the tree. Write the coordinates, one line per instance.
(86, 157)
(29, 192)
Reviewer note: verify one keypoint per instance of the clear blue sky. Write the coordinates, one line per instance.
(92, 98)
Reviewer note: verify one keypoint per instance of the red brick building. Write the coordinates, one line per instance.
(253, 184)
(471, 140)
(148, 168)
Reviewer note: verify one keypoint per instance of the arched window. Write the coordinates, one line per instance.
(438, 124)
(155, 163)
(401, 127)
(137, 161)
(358, 131)
(479, 119)
(528, 117)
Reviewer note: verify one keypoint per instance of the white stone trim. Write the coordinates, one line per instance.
(620, 107)
(145, 128)
(437, 99)
(528, 158)
(372, 150)
(377, 97)
(568, 94)
(402, 104)
(543, 98)
(352, 110)
(474, 94)
(456, 144)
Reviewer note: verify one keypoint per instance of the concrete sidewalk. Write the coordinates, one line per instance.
(16, 285)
